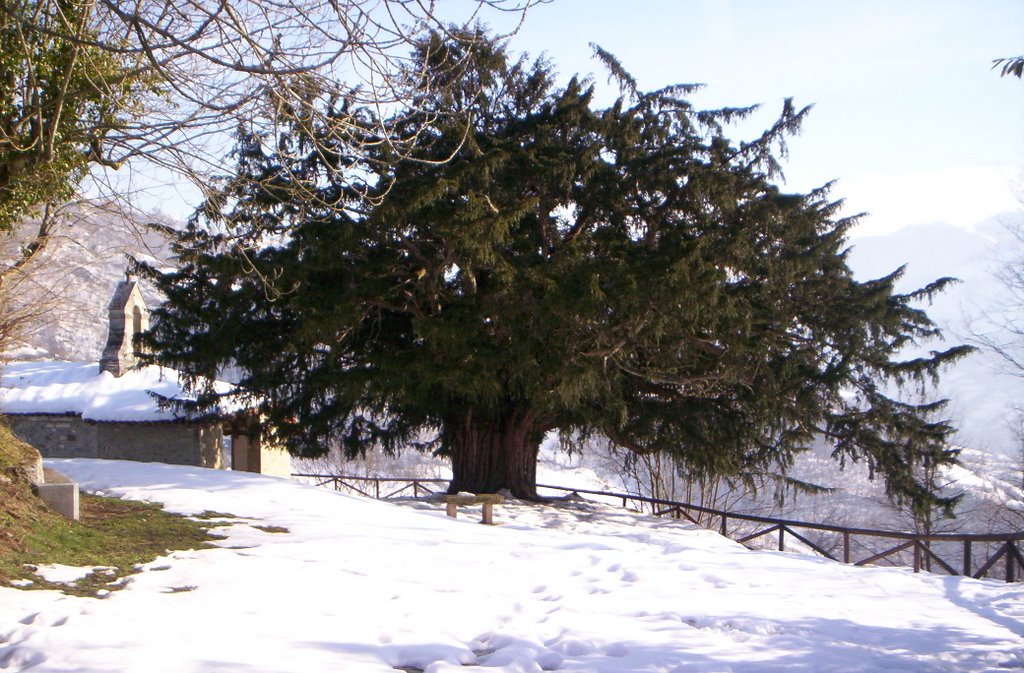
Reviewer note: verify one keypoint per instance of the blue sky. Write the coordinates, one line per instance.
(908, 116)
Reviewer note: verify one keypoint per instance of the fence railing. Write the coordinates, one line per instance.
(977, 555)
(371, 487)
(972, 555)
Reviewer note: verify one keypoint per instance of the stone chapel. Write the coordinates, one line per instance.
(110, 409)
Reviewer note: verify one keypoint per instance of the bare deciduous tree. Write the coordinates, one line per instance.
(201, 68)
(112, 90)
(15, 314)
(1001, 330)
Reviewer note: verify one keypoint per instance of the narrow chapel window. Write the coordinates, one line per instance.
(136, 321)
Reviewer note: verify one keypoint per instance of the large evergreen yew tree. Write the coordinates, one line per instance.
(628, 271)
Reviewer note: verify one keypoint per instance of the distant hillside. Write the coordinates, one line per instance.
(982, 398)
(72, 280)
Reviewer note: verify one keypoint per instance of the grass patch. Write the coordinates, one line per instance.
(115, 533)
(210, 515)
(272, 529)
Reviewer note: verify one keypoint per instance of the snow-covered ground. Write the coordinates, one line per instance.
(370, 587)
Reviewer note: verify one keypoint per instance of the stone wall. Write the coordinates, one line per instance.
(175, 443)
(54, 436)
(211, 446)
(257, 454)
(71, 437)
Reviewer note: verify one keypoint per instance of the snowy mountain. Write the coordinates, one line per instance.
(983, 397)
(370, 587)
(72, 280)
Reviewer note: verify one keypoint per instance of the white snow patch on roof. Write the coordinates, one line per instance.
(54, 387)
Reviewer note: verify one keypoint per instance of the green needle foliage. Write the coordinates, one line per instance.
(1010, 66)
(545, 264)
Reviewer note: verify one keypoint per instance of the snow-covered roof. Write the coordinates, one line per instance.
(55, 387)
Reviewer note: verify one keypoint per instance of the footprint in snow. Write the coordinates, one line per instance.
(674, 548)
(694, 667)
(550, 661)
(714, 580)
(22, 658)
(40, 619)
(576, 648)
(617, 650)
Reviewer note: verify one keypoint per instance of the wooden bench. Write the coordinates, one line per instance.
(488, 500)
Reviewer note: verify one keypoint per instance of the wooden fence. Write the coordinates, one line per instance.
(371, 486)
(984, 555)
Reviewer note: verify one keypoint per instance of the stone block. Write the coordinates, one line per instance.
(60, 493)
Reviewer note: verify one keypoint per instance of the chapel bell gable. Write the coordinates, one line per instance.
(128, 315)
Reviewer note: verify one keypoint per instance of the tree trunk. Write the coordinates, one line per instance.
(491, 453)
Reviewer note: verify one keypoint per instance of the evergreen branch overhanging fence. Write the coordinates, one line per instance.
(976, 555)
